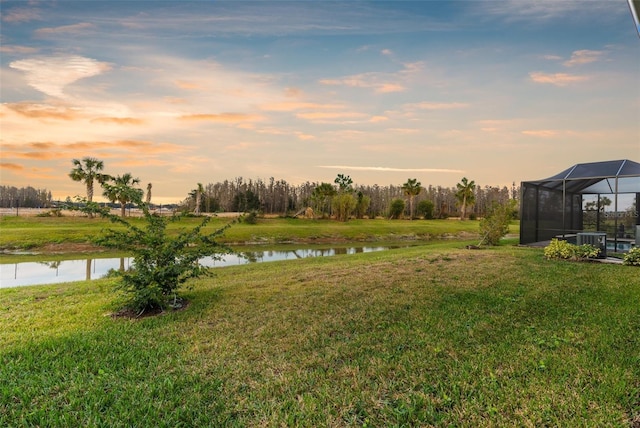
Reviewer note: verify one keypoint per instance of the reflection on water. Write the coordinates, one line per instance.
(36, 273)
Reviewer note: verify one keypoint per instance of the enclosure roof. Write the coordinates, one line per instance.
(621, 176)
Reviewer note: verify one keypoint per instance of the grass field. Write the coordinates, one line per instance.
(34, 232)
(434, 335)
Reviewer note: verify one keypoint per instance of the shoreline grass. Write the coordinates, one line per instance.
(421, 336)
(20, 233)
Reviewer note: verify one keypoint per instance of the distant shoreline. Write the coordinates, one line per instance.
(134, 212)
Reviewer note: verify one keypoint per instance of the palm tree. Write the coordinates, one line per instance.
(465, 195)
(88, 170)
(149, 194)
(199, 191)
(322, 196)
(122, 190)
(412, 188)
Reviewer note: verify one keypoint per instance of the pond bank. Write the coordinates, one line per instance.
(88, 268)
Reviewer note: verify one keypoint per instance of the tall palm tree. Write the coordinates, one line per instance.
(122, 190)
(149, 194)
(412, 188)
(88, 171)
(465, 195)
(322, 196)
(199, 191)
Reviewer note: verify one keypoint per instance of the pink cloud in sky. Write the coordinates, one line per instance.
(557, 79)
(65, 29)
(583, 56)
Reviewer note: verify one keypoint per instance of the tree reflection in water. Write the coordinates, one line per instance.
(34, 273)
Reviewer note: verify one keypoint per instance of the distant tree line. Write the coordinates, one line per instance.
(277, 197)
(24, 197)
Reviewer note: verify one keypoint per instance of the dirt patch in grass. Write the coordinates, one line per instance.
(57, 248)
(69, 247)
(128, 313)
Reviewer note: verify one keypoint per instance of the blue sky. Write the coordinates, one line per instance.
(184, 92)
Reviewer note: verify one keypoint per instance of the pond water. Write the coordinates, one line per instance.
(37, 273)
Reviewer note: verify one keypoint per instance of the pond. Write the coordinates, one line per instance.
(38, 273)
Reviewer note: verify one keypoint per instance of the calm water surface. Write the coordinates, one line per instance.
(37, 273)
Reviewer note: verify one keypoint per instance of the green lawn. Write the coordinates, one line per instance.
(434, 335)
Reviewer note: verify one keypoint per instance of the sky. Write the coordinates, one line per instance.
(185, 92)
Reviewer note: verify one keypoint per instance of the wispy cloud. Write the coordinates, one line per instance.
(35, 155)
(435, 106)
(386, 88)
(297, 105)
(375, 81)
(15, 49)
(46, 150)
(50, 74)
(137, 162)
(557, 79)
(11, 166)
(64, 29)
(412, 68)
(404, 130)
(185, 84)
(119, 120)
(240, 146)
(378, 81)
(389, 169)
(304, 137)
(278, 131)
(325, 115)
(583, 57)
(31, 173)
(43, 111)
(544, 10)
(543, 133)
(282, 19)
(222, 117)
(21, 15)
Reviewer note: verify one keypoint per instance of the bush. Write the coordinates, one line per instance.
(586, 251)
(559, 249)
(362, 205)
(426, 209)
(251, 218)
(496, 223)
(343, 205)
(396, 208)
(161, 263)
(632, 258)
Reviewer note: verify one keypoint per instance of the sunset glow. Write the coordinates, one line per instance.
(179, 93)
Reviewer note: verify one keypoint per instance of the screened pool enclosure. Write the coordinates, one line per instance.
(589, 197)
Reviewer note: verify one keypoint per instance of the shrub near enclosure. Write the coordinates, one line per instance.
(559, 249)
(496, 224)
(632, 258)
